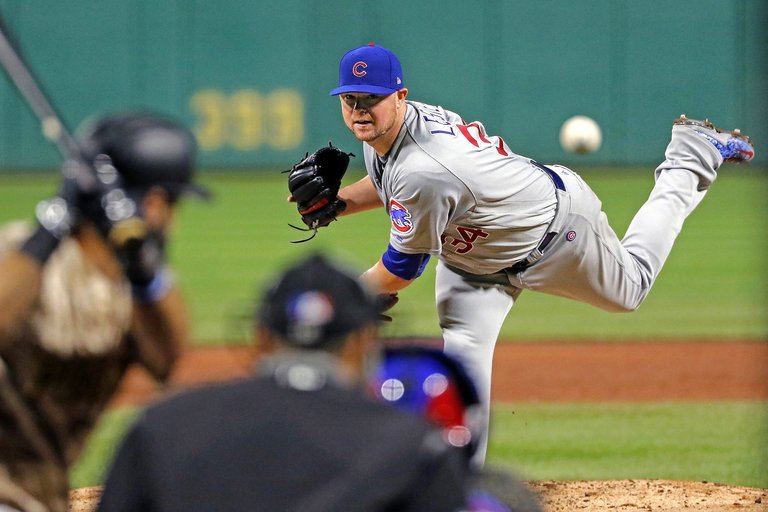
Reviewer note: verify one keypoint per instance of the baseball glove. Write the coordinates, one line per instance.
(314, 183)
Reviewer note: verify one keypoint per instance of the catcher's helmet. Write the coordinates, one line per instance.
(147, 150)
(430, 383)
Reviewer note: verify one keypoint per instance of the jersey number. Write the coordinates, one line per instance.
(468, 237)
(465, 131)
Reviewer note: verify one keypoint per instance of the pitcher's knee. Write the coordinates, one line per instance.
(621, 304)
(624, 308)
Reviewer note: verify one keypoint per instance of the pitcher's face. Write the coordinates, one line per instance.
(374, 118)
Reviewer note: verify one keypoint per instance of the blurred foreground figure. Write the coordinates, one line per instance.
(83, 295)
(301, 434)
(435, 386)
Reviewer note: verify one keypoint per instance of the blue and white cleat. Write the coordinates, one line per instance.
(734, 146)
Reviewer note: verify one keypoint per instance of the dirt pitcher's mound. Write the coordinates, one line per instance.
(594, 496)
(84, 499)
(645, 495)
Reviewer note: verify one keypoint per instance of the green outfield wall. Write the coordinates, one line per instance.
(252, 77)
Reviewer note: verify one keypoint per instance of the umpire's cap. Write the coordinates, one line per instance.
(315, 304)
(147, 149)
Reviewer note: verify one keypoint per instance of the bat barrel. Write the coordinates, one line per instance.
(51, 124)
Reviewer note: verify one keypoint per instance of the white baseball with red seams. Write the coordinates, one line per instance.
(580, 134)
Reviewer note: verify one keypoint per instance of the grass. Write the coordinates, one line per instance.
(713, 285)
(225, 251)
(725, 442)
(92, 466)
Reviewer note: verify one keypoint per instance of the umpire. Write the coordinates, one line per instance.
(79, 304)
(301, 434)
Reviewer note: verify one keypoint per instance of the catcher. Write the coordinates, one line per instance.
(78, 305)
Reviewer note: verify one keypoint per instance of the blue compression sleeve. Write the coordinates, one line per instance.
(405, 266)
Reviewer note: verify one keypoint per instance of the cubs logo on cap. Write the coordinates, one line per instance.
(401, 217)
(372, 69)
(358, 68)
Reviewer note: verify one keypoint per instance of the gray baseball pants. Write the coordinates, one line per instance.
(586, 261)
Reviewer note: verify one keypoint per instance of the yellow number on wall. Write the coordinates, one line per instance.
(247, 119)
(246, 122)
(210, 107)
(285, 119)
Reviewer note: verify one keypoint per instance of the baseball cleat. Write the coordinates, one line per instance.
(733, 145)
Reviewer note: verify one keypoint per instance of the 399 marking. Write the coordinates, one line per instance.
(247, 119)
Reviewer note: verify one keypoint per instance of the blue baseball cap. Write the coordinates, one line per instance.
(372, 69)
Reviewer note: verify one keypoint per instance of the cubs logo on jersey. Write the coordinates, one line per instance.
(401, 217)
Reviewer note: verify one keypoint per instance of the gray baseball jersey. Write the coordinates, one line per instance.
(455, 191)
(502, 223)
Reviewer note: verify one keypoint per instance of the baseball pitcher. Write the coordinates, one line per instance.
(498, 222)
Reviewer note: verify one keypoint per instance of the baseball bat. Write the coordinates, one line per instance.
(51, 124)
(54, 129)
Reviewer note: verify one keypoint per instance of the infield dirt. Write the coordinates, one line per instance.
(551, 371)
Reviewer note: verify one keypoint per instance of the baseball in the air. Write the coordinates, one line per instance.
(580, 134)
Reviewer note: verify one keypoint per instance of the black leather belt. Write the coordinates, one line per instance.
(545, 241)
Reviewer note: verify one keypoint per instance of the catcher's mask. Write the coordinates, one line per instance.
(430, 383)
(147, 150)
